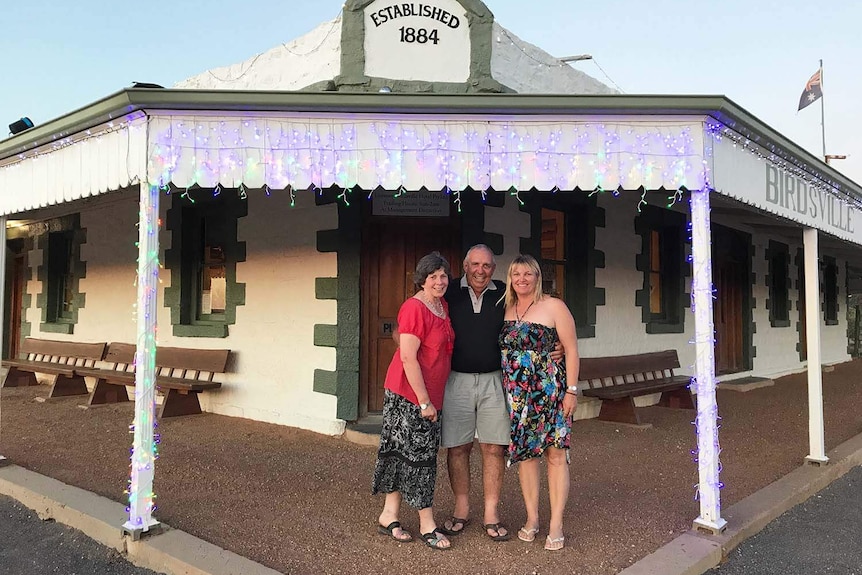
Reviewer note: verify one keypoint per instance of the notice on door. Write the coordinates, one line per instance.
(411, 204)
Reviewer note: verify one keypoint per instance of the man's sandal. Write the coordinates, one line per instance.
(497, 527)
(454, 522)
(390, 531)
(434, 539)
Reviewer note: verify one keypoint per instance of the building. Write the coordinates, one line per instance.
(290, 221)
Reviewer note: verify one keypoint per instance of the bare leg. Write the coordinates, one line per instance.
(493, 467)
(458, 462)
(528, 473)
(558, 488)
(391, 506)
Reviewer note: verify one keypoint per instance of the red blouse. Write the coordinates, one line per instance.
(436, 339)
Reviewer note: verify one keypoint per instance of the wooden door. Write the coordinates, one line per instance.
(391, 247)
(15, 285)
(731, 275)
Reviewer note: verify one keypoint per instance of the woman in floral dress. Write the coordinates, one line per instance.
(542, 394)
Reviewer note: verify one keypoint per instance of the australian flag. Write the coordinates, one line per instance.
(812, 92)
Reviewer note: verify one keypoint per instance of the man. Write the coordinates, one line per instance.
(474, 404)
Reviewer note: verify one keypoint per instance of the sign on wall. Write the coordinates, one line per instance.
(411, 204)
(426, 41)
(742, 175)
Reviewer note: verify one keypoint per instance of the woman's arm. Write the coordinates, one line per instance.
(409, 349)
(567, 333)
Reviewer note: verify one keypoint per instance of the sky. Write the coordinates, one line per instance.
(61, 56)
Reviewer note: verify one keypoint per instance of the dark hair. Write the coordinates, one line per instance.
(427, 266)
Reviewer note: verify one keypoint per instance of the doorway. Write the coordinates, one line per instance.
(16, 283)
(731, 268)
(391, 246)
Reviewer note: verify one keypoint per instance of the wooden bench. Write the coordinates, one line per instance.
(58, 359)
(181, 374)
(618, 380)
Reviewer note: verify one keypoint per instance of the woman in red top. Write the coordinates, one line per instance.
(407, 459)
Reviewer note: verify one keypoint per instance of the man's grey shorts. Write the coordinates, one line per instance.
(475, 405)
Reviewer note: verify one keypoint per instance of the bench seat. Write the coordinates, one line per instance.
(195, 367)
(618, 380)
(58, 359)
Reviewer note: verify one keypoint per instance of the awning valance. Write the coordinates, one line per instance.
(430, 153)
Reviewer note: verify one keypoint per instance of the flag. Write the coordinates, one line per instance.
(812, 92)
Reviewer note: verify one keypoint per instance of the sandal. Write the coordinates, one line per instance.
(390, 531)
(434, 539)
(497, 527)
(453, 523)
(554, 544)
(528, 535)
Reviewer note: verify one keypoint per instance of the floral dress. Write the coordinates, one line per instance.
(535, 386)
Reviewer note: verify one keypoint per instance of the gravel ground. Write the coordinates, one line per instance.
(300, 502)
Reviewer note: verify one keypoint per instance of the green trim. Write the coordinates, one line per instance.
(740, 244)
(344, 336)
(129, 101)
(672, 225)
(70, 224)
(353, 78)
(582, 217)
(178, 260)
(778, 250)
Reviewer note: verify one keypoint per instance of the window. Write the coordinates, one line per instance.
(662, 299)
(830, 291)
(60, 273)
(61, 281)
(562, 239)
(553, 259)
(778, 255)
(203, 257)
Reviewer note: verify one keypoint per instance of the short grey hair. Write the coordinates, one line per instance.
(427, 266)
(480, 247)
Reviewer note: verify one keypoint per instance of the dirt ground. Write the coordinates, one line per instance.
(300, 502)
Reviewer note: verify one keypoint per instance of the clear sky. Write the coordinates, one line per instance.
(60, 56)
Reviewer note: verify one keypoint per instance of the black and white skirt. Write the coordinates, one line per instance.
(407, 458)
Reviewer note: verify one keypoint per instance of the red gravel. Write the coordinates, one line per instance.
(300, 502)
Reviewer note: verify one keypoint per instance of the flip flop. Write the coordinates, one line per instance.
(497, 527)
(390, 531)
(528, 535)
(554, 544)
(454, 522)
(433, 540)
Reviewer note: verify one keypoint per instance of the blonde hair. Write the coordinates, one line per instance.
(529, 262)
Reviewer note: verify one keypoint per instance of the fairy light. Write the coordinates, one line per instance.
(145, 443)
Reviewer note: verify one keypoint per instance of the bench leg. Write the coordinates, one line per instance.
(104, 392)
(619, 410)
(63, 385)
(17, 378)
(677, 398)
(178, 403)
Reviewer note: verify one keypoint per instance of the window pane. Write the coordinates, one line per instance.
(553, 235)
(213, 281)
(655, 299)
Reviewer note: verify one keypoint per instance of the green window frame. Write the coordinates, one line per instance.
(778, 281)
(662, 262)
(60, 274)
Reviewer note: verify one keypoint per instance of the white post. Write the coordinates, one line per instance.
(816, 440)
(141, 495)
(707, 408)
(2, 296)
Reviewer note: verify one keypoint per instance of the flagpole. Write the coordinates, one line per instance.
(823, 113)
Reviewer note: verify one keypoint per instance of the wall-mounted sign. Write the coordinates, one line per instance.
(425, 41)
(410, 204)
(739, 174)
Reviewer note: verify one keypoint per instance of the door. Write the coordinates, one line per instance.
(16, 282)
(391, 247)
(731, 266)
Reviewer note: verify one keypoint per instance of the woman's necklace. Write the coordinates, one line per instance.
(435, 307)
(521, 317)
